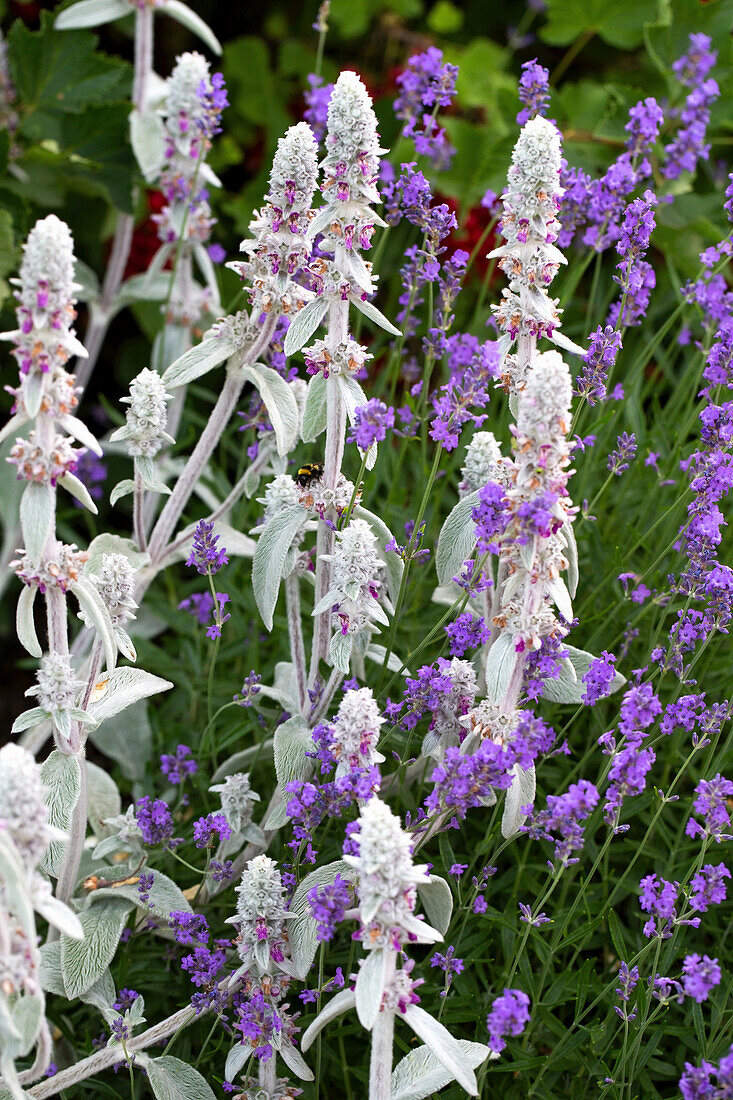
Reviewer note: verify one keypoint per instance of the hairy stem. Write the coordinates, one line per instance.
(100, 313)
(208, 440)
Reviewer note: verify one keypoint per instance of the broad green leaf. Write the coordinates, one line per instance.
(618, 22)
(103, 797)
(419, 1073)
(437, 901)
(172, 1079)
(443, 1046)
(84, 961)
(457, 539)
(61, 775)
(91, 13)
(58, 72)
(127, 738)
(292, 742)
(37, 514)
(123, 687)
(269, 558)
(164, 896)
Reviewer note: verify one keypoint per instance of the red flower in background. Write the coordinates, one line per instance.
(145, 240)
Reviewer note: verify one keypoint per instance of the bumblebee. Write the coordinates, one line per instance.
(309, 473)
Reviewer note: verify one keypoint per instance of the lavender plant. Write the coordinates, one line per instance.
(399, 721)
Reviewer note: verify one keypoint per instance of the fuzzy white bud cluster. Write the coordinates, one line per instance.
(261, 916)
(324, 500)
(46, 465)
(23, 811)
(487, 721)
(326, 358)
(543, 414)
(351, 170)
(237, 800)
(484, 462)
(25, 834)
(45, 338)
(446, 726)
(115, 583)
(189, 121)
(60, 569)
(282, 492)
(144, 431)
(57, 685)
(125, 834)
(184, 110)
(388, 880)
(280, 245)
(355, 730)
(530, 259)
(59, 398)
(535, 549)
(355, 583)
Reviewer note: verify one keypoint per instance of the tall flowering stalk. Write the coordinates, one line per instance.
(526, 518)
(47, 397)
(142, 131)
(388, 881)
(346, 222)
(278, 249)
(266, 1027)
(25, 834)
(190, 117)
(530, 258)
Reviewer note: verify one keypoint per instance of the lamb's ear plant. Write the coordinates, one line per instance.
(390, 815)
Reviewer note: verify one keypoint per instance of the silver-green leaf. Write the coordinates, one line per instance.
(84, 961)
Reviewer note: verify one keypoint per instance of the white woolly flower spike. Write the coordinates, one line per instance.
(351, 170)
(55, 693)
(23, 811)
(237, 800)
(529, 258)
(115, 583)
(388, 881)
(261, 917)
(280, 493)
(45, 339)
(145, 431)
(184, 110)
(484, 462)
(47, 272)
(543, 408)
(355, 732)
(355, 588)
(535, 551)
(280, 245)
